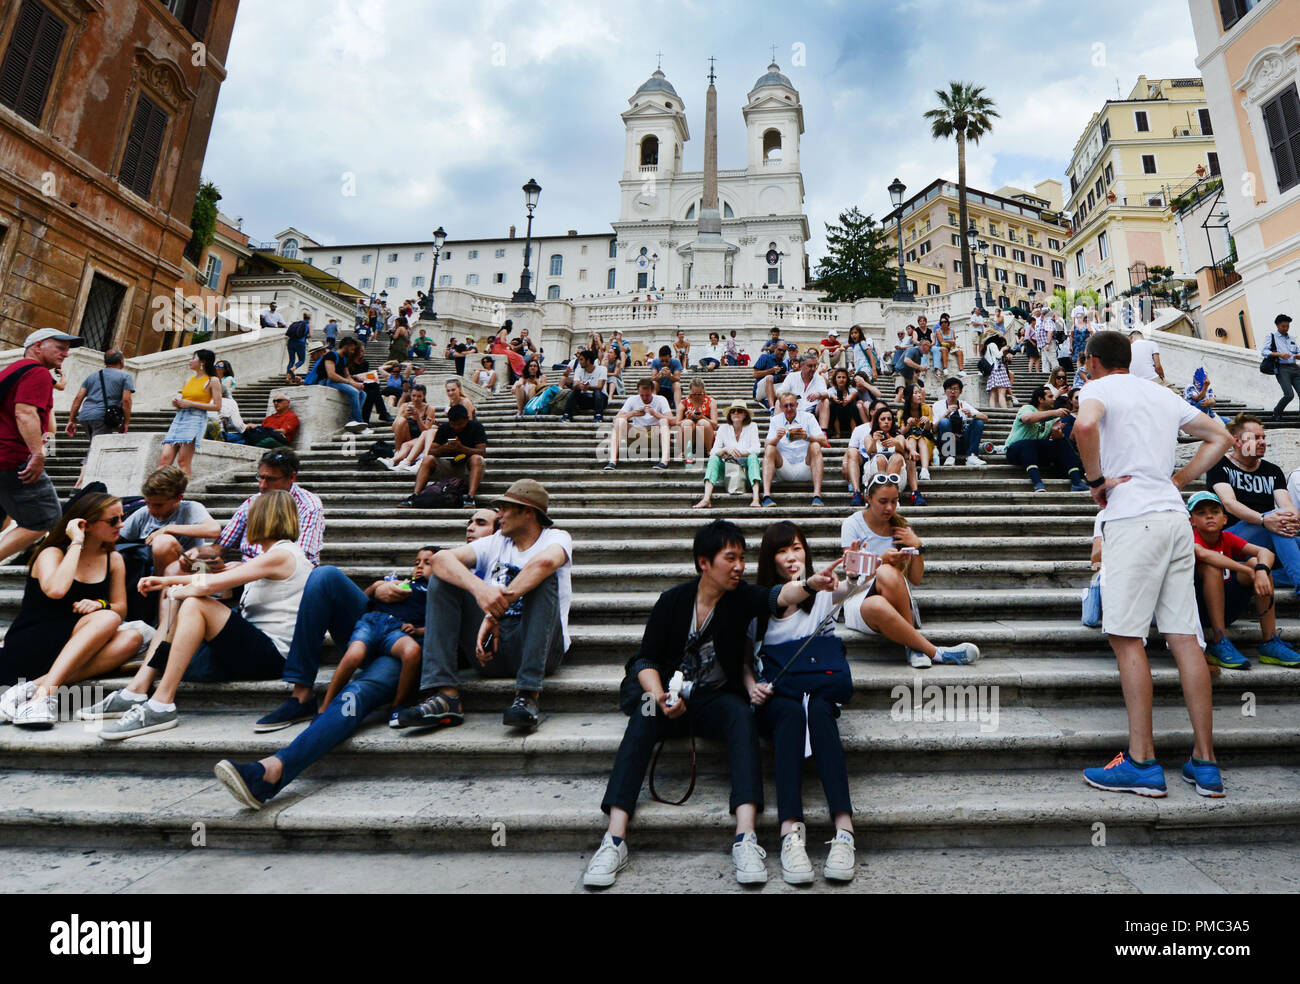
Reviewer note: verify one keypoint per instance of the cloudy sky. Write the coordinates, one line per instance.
(378, 120)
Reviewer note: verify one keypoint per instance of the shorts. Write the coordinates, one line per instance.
(446, 468)
(794, 471)
(379, 632)
(853, 610)
(1238, 600)
(1147, 571)
(34, 506)
(240, 651)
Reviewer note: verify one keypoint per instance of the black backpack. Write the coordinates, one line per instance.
(446, 493)
(296, 330)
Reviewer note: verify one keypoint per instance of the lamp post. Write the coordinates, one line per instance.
(780, 270)
(525, 295)
(654, 265)
(896, 189)
(988, 283)
(426, 308)
(972, 242)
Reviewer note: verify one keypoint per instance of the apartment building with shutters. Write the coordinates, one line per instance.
(105, 111)
(1249, 54)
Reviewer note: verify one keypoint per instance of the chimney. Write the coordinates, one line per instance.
(512, 232)
(573, 232)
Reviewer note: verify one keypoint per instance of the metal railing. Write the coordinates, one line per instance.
(1221, 279)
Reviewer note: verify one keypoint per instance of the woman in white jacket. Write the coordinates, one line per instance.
(736, 441)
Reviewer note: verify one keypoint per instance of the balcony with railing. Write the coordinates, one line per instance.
(1222, 276)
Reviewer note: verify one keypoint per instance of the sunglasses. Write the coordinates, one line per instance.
(115, 521)
(885, 480)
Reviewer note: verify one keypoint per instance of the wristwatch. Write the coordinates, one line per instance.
(920, 549)
(807, 589)
(1098, 482)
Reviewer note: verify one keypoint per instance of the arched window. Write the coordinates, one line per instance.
(613, 248)
(553, 292)
(690, 212)
(289, 250)
(772, 145)
(650, 151)
(609, 280)
(557, 265)
(727, 213)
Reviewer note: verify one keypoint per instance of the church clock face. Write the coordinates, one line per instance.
(644, 202)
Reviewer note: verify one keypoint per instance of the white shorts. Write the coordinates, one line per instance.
(1147, 569)
(853, 609)
(794, 471)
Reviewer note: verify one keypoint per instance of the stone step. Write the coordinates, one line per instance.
(1013, 809)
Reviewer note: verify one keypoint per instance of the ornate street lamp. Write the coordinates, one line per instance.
(654, 264)
(972, 245)
(426, 305)
(896, 189)
(984, 255)
(525, 295)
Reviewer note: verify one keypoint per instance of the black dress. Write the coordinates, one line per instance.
(43, 627)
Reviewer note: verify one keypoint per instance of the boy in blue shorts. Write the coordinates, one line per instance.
(390, 628)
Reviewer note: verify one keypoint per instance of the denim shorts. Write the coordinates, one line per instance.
(379, 632)
(33, 506)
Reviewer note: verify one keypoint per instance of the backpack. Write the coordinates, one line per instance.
(380, 449)
(540, 403)
(298, 329)
(446, 493)
(318, 375)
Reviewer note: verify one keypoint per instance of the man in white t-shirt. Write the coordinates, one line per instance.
(810, 386)
(505, 599)
(793, 451)
(1146, 358)
(588, 390)
(643, 410)
(958, 448)
(1127, 433)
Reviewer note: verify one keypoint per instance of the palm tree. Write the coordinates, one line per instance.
(967, 112)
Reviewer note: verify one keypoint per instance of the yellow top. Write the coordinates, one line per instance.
(196, 389)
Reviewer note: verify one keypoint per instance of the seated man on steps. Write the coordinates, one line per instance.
(769, 373)
(504, 598)
(331, 602)
(278, 429)
(169, 524)
(700, 630)
(458, 449)
(793, 451)
(1036, 440)
(588, 391)
(960, 426)
(644, 410)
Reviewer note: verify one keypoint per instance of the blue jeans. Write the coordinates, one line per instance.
(330, 602)
(352, 393)
(372, 687)
(379, 632)
(1287, 549)
(531, 644)
(297, 352)
(959, 445)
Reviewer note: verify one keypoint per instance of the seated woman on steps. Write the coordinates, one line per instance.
(415, 417)
(801, 705)
(532, 382)
(697, 418)
(70, 625)
(738, 442)
(887, 608)
(201, 639)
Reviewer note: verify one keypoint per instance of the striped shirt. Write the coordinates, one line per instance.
(311, 526)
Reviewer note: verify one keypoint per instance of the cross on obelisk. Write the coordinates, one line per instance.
(660, 55)
(773, 54)
(712, 78)
(710, 190)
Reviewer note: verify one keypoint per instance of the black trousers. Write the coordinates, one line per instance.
(375, 401)
(782, 719)
(714, 714)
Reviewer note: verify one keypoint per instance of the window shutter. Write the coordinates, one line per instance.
(143, 147)
(1282, 122)
(196, 21)
(214, 279)
(1228, 10)
(28, 67)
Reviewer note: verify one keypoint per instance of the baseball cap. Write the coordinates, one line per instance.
(1200, 497)
(833, 333)
(45, 334)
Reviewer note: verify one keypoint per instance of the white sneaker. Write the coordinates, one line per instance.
(796, 868)
(748, 857)
(606, 863)
(14, 698)
(950, 460)
(925, 474)
(39, 712)
(368, 432)
(974, 462)
(918, 661)
(386, 462)
(841, 861)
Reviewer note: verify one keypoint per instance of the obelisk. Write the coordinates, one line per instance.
(709, 252)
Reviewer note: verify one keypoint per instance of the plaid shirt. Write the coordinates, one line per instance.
(311, 526)
(1044, 329)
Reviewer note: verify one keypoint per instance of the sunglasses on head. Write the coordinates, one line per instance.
(885, 480)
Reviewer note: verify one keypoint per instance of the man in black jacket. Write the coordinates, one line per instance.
(700, 629)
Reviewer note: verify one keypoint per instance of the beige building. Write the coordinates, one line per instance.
(1022, 229)
(1249, 55)
(1127, 168)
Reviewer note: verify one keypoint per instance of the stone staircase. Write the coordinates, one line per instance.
(1004, 570)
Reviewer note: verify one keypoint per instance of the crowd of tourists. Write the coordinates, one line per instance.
(150, 585)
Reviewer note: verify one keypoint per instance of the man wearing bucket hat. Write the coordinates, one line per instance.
(505, 600)
(27, 495)
(737, 441)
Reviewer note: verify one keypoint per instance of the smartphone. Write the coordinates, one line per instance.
(859, 562)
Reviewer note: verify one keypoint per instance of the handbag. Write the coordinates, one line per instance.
(1268, 366)
(1092, 603)
(816, 665)
(114, 415)
(985, 366)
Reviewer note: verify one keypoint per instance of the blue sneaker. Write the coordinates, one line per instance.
(247, 782)
(1205, 777)
(1122, 775)
(1223, 653)
(857, 500)
(1277, 652)
(817, 501)
(917, 499)
(962, 654)
(768, 501)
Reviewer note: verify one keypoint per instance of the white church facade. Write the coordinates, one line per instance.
(761, 205)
